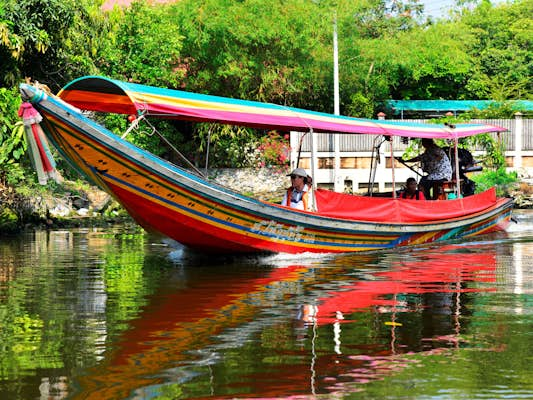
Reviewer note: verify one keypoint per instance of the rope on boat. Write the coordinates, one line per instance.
(135, 124)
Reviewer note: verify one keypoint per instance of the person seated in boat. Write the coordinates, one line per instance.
(436, 164)
(298, 194)
(411, 191)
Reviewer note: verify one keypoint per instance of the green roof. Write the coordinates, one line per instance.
(452, 105)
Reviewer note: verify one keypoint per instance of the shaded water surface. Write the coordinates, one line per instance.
(117, 314)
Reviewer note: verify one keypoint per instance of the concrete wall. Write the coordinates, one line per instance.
(266, 183)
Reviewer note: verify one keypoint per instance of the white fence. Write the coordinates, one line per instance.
(355, 155)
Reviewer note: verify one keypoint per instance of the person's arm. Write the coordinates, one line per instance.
(414, 159)
(284, 201)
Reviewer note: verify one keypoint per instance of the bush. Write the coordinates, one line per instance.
(9, 221)
(503, 180)
(12, 143)
(273, 150)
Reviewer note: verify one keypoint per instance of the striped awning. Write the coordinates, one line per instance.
(113, 96)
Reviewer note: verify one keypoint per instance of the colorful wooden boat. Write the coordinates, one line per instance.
(172, 201)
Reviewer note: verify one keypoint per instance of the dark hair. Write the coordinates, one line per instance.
(410, 180)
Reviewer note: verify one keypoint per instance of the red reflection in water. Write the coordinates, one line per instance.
(182, 322)
(189, 319)
(441, 273)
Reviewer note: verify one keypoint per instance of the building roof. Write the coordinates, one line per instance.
(441, 106)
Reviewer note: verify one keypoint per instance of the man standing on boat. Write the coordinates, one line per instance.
(298, 195)
(436, 164)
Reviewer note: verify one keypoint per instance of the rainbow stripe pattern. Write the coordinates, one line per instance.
(108, 95)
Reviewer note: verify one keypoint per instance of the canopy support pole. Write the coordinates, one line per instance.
(457, 175)
(338, 184)
(337, 177)
(392, 167)
(313, 166)
(300, 149)
(207, 150)
(374, 164)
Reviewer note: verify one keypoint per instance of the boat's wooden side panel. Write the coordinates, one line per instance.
(188, 217)
(180, 210)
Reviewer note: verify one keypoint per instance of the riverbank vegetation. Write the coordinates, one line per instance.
(276, 51)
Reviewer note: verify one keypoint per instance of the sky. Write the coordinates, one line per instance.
(437, 8)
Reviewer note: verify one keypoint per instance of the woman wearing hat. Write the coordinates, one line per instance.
(298, 195)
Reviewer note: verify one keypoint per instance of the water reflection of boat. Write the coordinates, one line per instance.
(427, 273)
(185, 320)
(426, 289)
(432, 287)
(169, 200)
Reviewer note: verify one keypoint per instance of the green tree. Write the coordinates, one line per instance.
(480, 54)
(33, 38)
(12, 142)
(437, 67)
(143, 44)
(281, 59)
(502, 52)
(378, 19)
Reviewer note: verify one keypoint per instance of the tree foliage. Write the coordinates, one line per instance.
(12, 142)
(33, 35)
(142, 45)
(502, 50)
(248, 50)
(279, 52)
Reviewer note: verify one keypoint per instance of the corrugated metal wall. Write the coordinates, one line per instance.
(527, 137)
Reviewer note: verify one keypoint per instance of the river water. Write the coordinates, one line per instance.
(118, 314)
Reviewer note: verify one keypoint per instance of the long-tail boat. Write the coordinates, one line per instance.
(176, 202)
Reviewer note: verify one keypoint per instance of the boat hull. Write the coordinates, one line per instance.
(171, 201)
